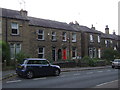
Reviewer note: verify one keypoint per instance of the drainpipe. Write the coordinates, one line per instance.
(6, 30)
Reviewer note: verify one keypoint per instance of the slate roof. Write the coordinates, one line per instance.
(12, 14)
(85, 29)
(109, 36)
(49, 23)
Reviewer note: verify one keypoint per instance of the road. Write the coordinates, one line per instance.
(74, 79)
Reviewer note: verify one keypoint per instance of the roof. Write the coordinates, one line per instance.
(109, 36)
(34, 59)
(12, 14)
(84, 29)
(49, 23)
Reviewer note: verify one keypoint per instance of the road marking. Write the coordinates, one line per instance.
(106, 83)
(89, 73)
(63, 76)
(13, 81)
(100, 71)
(108, 70)
(40, 78)
(76, 74)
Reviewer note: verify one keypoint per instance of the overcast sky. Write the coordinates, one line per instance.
(87, 12)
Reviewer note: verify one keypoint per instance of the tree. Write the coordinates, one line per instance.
(110, 54)
(20, 56)
(5, 51)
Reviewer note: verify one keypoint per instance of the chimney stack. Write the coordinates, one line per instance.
(114, 32)
(107, 29)
(93, 28)
(23, 12)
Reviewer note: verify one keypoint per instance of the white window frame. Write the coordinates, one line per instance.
(42, 34)
(98, 39)
(74, 36)
(16, 48)
(42, 52)
(54, 36)
(64, 36)
(91, 38)
(17, 28)
(99, 53)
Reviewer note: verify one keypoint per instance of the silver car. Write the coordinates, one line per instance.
(116, 63)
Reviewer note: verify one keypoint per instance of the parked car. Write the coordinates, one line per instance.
(32, 67)
(116, 63)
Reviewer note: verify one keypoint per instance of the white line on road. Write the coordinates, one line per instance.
(40, 78)
(108, 70)
(89, 73)
(100, 71)
(77, 74)
(106, 83)
(13, 81)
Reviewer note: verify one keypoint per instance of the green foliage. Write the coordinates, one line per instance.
(110, 54)
(89, 61)
(20, 56)
(5, 51)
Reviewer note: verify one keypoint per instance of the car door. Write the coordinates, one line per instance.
(46, 68)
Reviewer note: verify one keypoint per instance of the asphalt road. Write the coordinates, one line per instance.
(74, 79)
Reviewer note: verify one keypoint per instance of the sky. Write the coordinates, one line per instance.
(86, 12)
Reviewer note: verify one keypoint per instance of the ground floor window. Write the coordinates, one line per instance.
(54, 54)
(92, 52)
(14, 49)
(41, 52)
(99, 53)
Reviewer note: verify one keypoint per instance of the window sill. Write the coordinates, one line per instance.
(41, 39)
(15, 34)
(53, 40)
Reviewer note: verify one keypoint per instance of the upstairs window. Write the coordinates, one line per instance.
(15, 30)
(91, 38)
(40, 35)
(54, 36)
(64, 35)
(98, 39)
(73, 37)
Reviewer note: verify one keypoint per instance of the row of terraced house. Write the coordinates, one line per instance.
(53, 40)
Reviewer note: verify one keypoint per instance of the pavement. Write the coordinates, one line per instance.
(11, 73)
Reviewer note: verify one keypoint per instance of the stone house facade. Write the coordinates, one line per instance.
(53, 40)
(39, 37)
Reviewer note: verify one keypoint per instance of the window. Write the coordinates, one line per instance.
(91, 38)
(14, 49)
(18, 48)
(90, 52)
(40, 35)
(73, 37)
(64, 35)
(41, 52)
(99, 53)
(94, 52)
(15, 30)
(74, 53)
(53, 36)
(98, 39)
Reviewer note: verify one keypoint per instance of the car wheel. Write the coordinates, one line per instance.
(113, 66)
(57, 72)
(29, 75)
